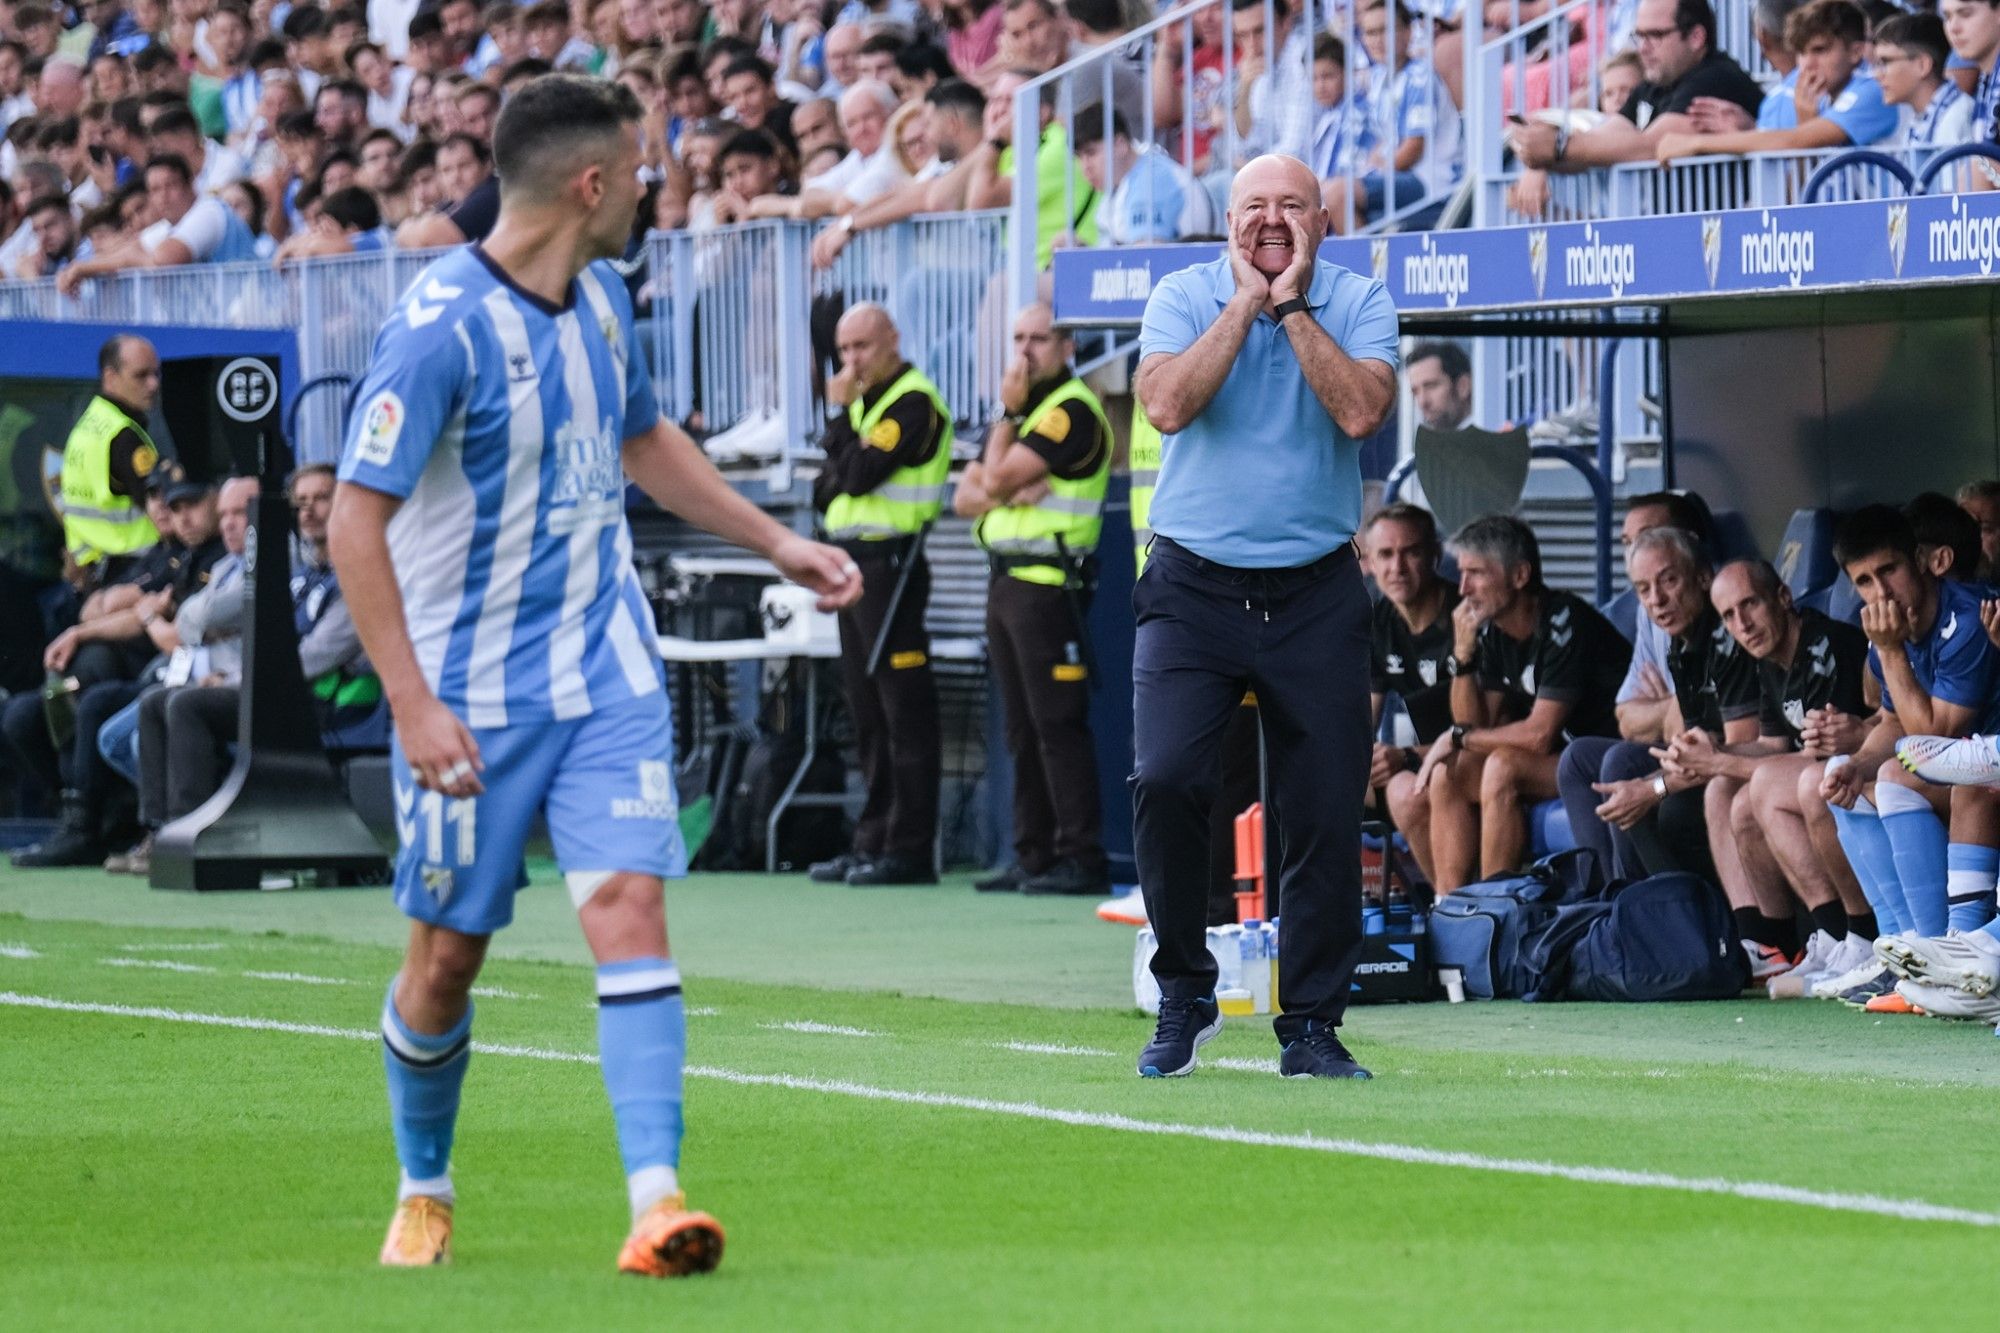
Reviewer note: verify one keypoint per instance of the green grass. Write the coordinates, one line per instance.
(167, 1175)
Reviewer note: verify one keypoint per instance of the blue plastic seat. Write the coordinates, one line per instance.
(1804, 557)
(1623, 612)
(1548, 830)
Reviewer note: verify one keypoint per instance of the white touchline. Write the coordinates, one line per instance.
(22, 951)
(819, 1029)
(1050, 1048)
(299, 978)
(1913, 1210)
(502, 993)
(172, 948)
(157, 964)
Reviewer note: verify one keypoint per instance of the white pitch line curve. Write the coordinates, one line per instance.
(1913, 1210)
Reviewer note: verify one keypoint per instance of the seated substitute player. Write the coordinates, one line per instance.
(1530, 666)
(481, 542)
(1931, 852)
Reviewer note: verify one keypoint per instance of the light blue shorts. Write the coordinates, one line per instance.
(603, 782)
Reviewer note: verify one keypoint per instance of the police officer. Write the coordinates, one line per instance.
(1038, 496)
(887, 459)
(107, 461)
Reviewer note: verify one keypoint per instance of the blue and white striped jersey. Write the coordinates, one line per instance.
(499, 420)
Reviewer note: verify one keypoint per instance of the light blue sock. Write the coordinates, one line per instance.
(1919, 839)
(425, 1075)
(1969, 884)
(1873, 863)
(642, 1042)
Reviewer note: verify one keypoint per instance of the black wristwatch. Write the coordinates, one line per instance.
(1455, 667)
(1458, 730)
(1412, 761)
(1291, 307)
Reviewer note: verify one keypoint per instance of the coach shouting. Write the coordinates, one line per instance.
(1261, 369)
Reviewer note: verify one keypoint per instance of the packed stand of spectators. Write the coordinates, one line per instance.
(1757, 741)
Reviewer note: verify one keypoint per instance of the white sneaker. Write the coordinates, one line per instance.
(1967, 961)
(1866, 965)
(1129, 910)
(1972, 761)
(1813, 966)
(1945, 1002)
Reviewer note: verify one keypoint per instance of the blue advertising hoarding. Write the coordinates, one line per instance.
(1637, 261)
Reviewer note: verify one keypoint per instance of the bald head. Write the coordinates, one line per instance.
(1044, 349)
(1268, 196)
(60, 92)
(232, 511)
(869, 347)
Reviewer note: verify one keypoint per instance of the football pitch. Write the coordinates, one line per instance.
(916, 1109)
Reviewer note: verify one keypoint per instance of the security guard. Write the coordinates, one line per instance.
(1038, 496)
(107, 460)
(1142, 460)
(887, 459)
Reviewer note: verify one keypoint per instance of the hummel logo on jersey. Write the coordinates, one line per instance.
(1394, 663)
(520, 368)
(420, 314)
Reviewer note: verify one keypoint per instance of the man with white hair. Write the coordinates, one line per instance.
(870, 168)
(842, 53)
(59, 93)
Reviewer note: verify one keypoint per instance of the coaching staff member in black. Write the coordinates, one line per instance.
(1261, 369)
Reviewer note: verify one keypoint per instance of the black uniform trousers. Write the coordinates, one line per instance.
(895, 711)
(1035, 657)
(1299, 638)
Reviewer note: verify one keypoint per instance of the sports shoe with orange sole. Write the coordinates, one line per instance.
(670, 1241)
(419, 1234)
(1892, 1003)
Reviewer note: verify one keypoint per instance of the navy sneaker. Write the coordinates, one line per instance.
(1184, 1026)
(1317, 1053)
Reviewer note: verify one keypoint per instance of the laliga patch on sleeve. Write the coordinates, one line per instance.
(885, 435)
(1846, 101)
(1054, 425)
(381, 427)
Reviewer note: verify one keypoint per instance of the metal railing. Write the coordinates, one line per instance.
(1693, 185)
(1201, 127)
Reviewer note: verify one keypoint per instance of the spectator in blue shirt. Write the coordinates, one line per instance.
(1150, 196)
(1910, 54)
(1415, 127)
(1343, 134)
(1973, 28)
(1835, 102)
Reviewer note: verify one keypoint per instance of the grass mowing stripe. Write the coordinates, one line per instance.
(1915, 1210)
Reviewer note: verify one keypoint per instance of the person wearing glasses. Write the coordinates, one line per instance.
(1681, 63)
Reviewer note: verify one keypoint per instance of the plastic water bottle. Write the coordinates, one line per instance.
(1397, 914)
(1145, 989)
(1225, 945)
(1271, 951)
(1256, 970)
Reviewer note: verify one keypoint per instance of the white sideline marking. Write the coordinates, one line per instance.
(1250, 1066)
(820, 1029)
(157, 964)
(172, 948)
(299, 978)
(12, 950)
(1049, 1048)
(1914, 1210)
(502, 993)
(699, 1011)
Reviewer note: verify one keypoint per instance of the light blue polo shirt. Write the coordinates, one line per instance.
(1263, 478)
